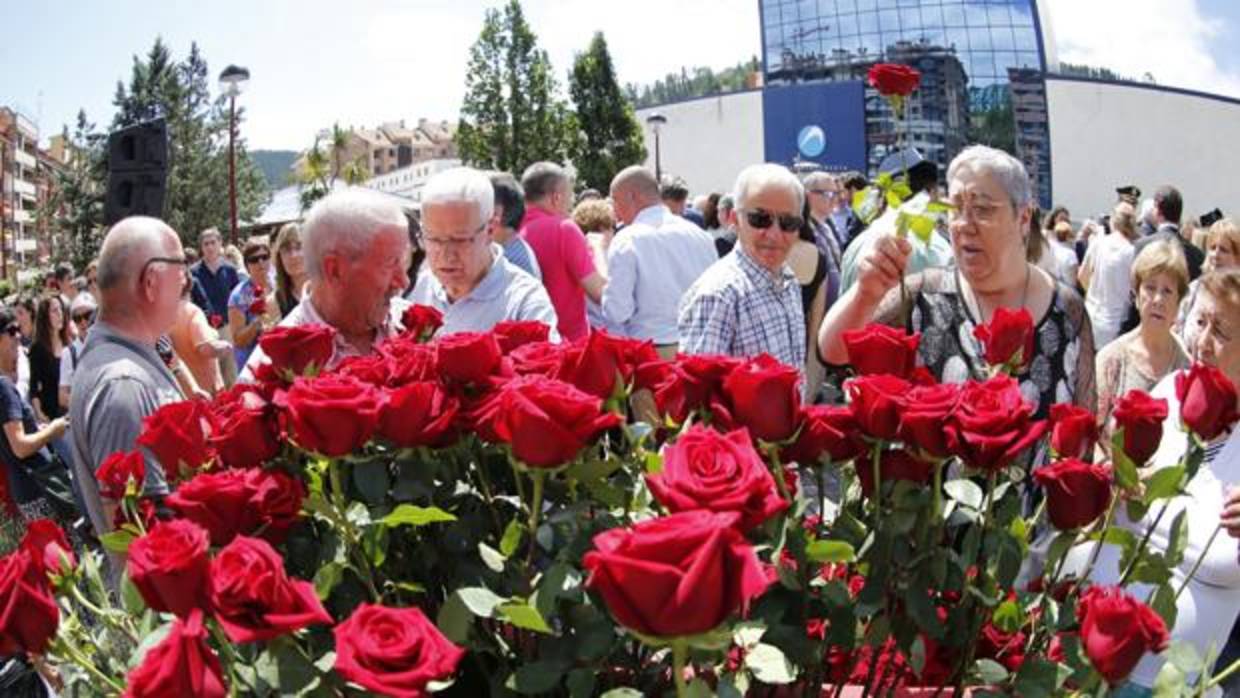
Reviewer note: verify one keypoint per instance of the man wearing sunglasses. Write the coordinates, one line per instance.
(120, 377)
(749, 302)
(81, 315)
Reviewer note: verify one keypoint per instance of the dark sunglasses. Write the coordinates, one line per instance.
(761, 220)
(12, 331)
(81, 317)
(257, 258)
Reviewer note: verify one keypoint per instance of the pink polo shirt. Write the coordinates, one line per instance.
(565, 260)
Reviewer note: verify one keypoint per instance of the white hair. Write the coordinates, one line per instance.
(126, 248)
(347, 221)
(461, 185)
(758, 177)
(1002, 166)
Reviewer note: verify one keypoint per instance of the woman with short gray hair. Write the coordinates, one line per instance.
(992, 200)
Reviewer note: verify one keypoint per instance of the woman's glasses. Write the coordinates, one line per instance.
(258, 258)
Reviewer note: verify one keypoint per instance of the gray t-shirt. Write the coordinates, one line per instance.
(118, 382)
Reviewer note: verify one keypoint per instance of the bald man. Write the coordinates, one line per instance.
(651, 261)
(120, 378)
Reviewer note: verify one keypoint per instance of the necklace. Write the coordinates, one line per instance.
(977, 302)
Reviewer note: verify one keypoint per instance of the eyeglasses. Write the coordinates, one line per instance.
(258, 258)
(82, 317)
(179, 261)
(12, 331)
(440, 244)
(982, 211)
(761, 220)
(827, 193)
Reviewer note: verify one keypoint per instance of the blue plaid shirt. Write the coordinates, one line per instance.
(740, 309)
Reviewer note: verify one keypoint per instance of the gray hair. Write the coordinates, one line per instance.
(347, 221)
(816, 179)
(1002, 166)
(461, 185)
(541, 179)
(126, 247)
(725, 204)
(757, 177)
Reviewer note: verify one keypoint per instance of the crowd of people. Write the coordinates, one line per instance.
(782, 265)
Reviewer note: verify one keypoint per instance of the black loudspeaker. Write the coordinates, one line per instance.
(137, 171)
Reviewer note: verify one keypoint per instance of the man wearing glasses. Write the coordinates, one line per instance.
(749, 302)
(81, 314)
(468, 278)
(120, 377)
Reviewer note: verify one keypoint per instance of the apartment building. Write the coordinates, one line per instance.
(22, 181)
(391, 146)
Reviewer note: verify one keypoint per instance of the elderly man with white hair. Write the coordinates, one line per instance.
(749, 302)
(356, 248)
(120, 378)
(467, 277)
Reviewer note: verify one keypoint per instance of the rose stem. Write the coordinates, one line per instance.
(539, 478)
(82, 660)
(1200, 559)
(680, 652)
(1223, 675)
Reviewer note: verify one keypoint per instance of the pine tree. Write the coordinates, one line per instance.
(76, 205)
(610, 137)
(511, 115)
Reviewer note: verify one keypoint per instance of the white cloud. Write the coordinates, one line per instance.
(1169, 39)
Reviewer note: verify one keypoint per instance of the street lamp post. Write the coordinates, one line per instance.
(232, 81)
(656, 121)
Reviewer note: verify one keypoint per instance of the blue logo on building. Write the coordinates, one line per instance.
(811, 141)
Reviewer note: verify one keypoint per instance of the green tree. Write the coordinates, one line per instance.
(75, 208)
(322, 168)
(611, 138)
(511, 115)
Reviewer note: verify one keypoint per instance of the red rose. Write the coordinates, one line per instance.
(543, 358)
(216, 320)
(182, 665)
(1077, 493)
(1007, 338)
(676, 575)
(1117, 630)
(592, 364)
(467, 357)
(258, 306)
(704, 469)
(253, 599)
(764, 396)
(374, 369)
(29, 615)
(926, 410)
(992, 424)
(829, 430)
(169, 566)
(421, 322)
(275, 501)
(299, 350)
(1074, 430)
(1140, 417)
(246, 432)
(893, 466)
(417, 414)
(331, 415)
(48, 547)
(894, 79)
(691, 383)
(409, 361)
(547, 422)
(146, 513)
(876, 404)
(876, 349)
(118, 470)
(1207, 401)
(393, 651)
(517, 333)
(1006, 648)
(176, 434)
(219, 502)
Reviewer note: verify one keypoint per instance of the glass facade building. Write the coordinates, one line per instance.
(982, 63)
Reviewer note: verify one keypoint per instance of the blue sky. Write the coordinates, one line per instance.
(316, 62)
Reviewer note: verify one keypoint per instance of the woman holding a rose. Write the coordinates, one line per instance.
(992, 204)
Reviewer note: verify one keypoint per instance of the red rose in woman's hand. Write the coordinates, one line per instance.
(764, 396)
(393, 651)
(876, 403)
(216, 320)
(704, 469)
(676, 575)
(467, 357)
(547, 422)
(331, 414)
(517, 333)
(253, 599)
(926, 409)
(1073, 430)
(894, 79)
(1007, 338)
(118, 470)
(877, 348)
(258, 306)
(169, 566)
(177, 435)
(421, 322)
(825, 429)
(992, 424)
(1077, 493)
(893, 466)
(1117, 630)
(1140, 417)
(299, 348)
(1207, 401)
(29, 615)
(183, 664)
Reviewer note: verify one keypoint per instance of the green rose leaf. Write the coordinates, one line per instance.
(412, 515)
(769, 665)
(830, 551)
(536, 677)
(525, 616)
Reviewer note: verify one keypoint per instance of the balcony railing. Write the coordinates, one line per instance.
(25, 159)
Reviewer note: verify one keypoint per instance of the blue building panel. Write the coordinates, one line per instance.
(822, 123)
